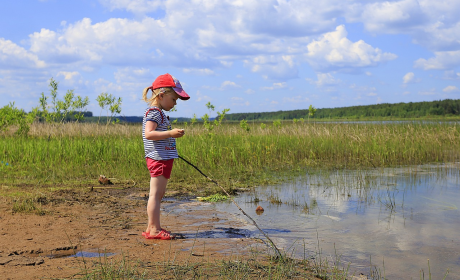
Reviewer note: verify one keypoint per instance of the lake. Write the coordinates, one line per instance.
(390, 219)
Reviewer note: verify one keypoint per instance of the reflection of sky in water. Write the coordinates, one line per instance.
(400, 217)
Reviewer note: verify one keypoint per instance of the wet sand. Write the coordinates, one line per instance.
(111, 221)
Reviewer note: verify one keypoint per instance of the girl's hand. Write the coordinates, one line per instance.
(177, 133)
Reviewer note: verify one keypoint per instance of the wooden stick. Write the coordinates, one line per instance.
(254, 222)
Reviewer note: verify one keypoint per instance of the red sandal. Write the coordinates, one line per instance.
(163, 235)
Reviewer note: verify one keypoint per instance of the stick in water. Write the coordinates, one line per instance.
(254, 222)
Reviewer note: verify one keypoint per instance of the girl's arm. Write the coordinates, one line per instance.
(151, 134)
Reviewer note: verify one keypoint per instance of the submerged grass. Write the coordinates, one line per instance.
(255, 266)
(78, 153)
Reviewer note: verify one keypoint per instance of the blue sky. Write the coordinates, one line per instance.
(244, 55)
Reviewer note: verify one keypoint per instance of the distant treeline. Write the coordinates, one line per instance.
(126, 119)
(447, 107)
(70, 117)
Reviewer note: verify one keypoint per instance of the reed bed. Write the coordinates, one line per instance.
(77, 153)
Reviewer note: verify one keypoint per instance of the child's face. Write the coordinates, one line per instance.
(169, 101)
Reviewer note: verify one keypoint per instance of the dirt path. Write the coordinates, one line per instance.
(109, 220)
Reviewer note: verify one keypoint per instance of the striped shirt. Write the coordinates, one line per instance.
(158, 149)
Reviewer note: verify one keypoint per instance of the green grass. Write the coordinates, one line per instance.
(76, 154)
(255, 266)
(213, 198)
(28, 205)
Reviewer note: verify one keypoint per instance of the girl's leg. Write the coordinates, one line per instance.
(157, 191)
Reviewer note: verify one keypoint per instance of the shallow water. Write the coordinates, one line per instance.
(83, 254)
(393, 219)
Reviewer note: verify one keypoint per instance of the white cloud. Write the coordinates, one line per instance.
(391, 16)
(250, 91)
(324, 79)
(334, 51)
(275, 86)
(226, 85)
(432, 24)
(450, 89)
(229, 84)
(273, 38)
(205, 72)
(409, 77)
(118, 42)
(14, 56)
(442, 60)
(208, 39)
(273, 67)
(68, 75)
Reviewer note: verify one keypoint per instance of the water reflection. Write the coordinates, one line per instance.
(393, 218)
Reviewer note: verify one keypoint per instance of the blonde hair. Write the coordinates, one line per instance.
(155, 93)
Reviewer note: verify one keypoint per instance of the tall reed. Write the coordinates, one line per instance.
(79, 152)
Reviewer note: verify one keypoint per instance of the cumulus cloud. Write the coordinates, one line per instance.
(273, 38)
(68, 75)
(450, 89)
(273, 48)
(334, 51)
(14, 56)
(274, 67)
(432, 24)
(392, 16)
(270, 47)
(441, 61)
(324, 79)
(409, 77)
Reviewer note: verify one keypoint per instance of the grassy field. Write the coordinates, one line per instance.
(76, 154)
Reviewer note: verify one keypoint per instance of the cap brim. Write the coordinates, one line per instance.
(182, 94)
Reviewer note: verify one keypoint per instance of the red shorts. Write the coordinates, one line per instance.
(160, 167)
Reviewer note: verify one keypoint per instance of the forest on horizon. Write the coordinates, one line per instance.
(445, 108)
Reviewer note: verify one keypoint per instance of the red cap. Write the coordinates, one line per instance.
(167, 80)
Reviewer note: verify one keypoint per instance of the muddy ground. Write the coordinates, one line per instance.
(111, 220)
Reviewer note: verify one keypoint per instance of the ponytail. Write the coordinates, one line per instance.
(144, 94)
(155, 93)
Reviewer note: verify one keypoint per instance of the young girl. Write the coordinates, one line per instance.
(160, 146)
